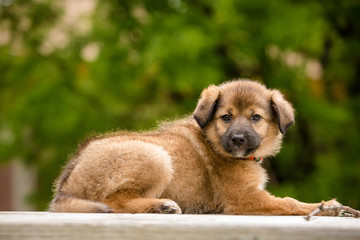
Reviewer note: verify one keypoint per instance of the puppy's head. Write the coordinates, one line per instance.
(243, 119)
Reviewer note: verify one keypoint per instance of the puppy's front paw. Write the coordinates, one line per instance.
(331, 208)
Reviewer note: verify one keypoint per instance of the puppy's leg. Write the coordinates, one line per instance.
(142, 173)
(259, 202)
(131, 203)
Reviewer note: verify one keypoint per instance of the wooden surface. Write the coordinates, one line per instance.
(44, 225)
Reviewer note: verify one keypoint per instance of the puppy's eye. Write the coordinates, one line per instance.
(226, 118)
(255, 118)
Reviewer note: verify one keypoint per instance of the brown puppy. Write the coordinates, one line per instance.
(205, 164)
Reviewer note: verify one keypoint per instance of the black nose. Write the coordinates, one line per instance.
(238, 139)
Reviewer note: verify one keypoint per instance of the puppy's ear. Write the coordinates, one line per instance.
(206, 105)
(283, 111)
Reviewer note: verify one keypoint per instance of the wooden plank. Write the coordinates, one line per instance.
(44, 225)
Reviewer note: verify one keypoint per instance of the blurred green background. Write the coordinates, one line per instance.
(69, 69)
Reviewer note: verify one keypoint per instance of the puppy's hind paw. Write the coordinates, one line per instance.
(102, 208)
(169, 207)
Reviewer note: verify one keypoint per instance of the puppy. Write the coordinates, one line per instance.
(208, 163)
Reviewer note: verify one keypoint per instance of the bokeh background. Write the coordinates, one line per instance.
(70, 69)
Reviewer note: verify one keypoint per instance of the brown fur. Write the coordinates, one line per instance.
(192, 165)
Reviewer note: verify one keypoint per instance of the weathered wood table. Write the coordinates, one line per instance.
(44, 225)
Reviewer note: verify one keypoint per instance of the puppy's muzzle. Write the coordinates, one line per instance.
(240, 143)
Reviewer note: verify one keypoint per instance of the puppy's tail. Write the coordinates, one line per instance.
(67, 203)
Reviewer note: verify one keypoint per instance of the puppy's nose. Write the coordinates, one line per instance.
(238, 139)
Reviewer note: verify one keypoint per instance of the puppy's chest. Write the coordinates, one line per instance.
(231, 180)
(244, 175)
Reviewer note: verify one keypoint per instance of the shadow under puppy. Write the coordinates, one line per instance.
(208, 163)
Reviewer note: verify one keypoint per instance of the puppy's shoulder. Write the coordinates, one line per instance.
(179, 125)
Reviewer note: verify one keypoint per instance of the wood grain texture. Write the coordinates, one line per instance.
(44, 225)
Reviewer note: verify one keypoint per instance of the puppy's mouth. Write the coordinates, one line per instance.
(238, 153)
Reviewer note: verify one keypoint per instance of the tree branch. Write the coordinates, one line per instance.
(343, 211)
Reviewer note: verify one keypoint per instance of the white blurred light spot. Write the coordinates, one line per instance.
(56, 39)
(272, 51)
(314, 69)
(293, 59)
(90, 52)
(4, 37)
(140, 14)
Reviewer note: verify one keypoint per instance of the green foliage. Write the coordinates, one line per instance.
(126, 64)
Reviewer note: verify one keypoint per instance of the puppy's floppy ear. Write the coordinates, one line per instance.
(283, 111)
(206, 105)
